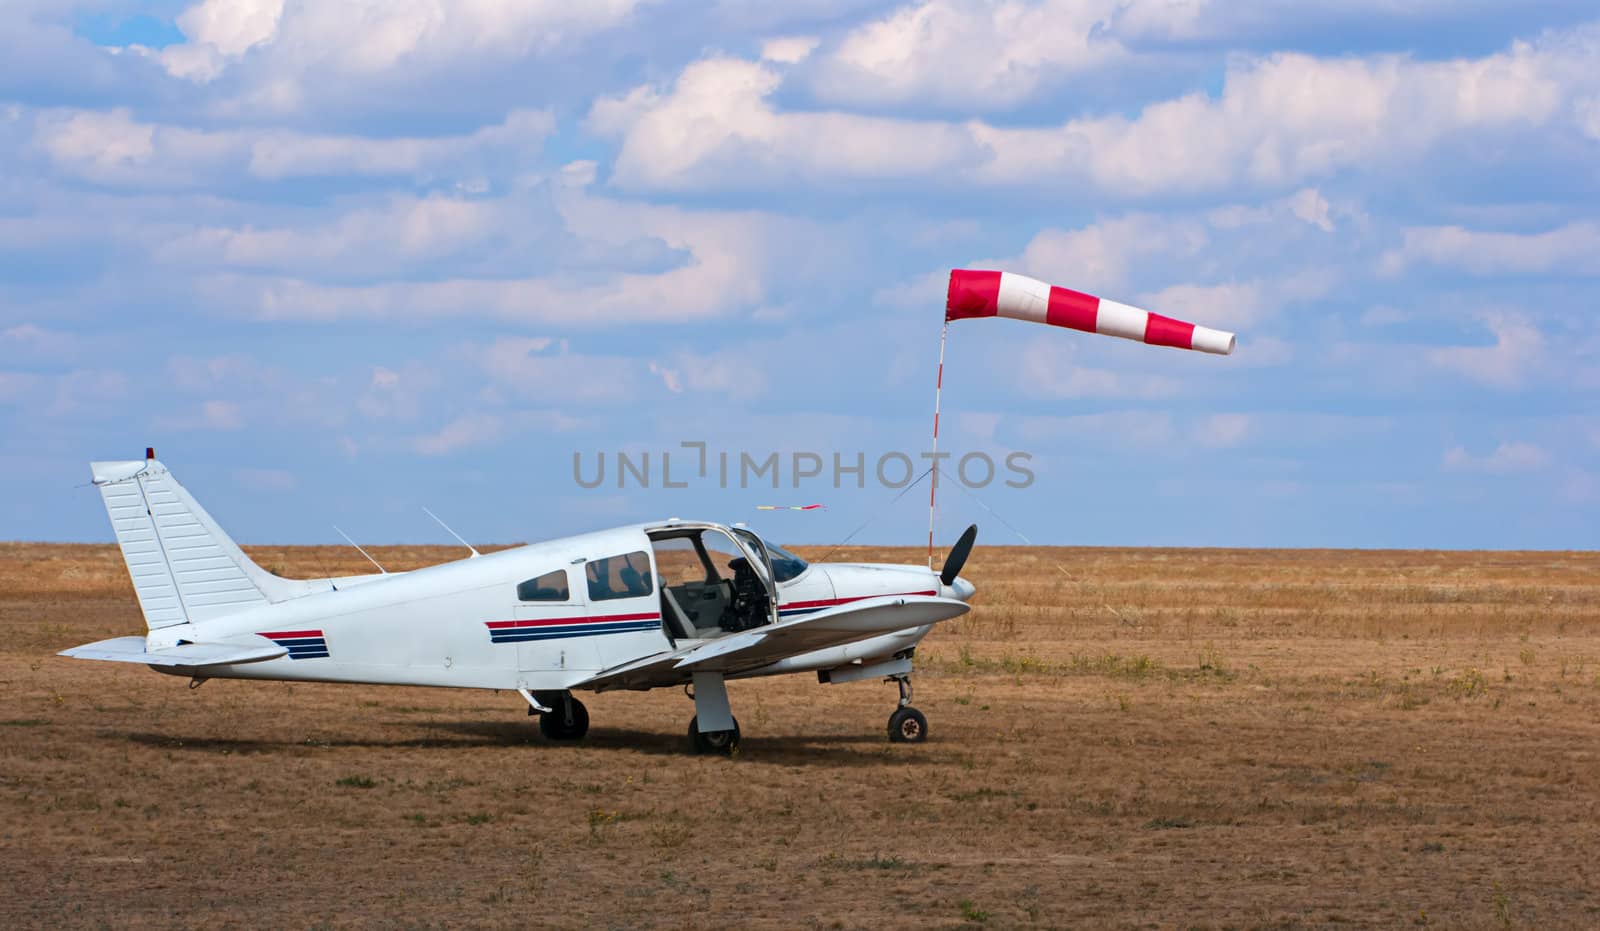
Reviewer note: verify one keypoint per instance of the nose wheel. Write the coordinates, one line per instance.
(907, 725)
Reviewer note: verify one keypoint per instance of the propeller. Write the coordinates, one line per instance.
(958, 556)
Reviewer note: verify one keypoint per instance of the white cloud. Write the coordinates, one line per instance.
(398, 395)
(1278, 121)
(1100, 257)
(726, 261)
(1587, 113)
(111, 147)
(543, 370)
(671, 379)
(1574, 248)
(984, 56)
(919, 293)
(715, 128)
(1262, 352)
(1285, 119)
(737, 373)
(976, 55)
(1050, 370)
(296, 42)
(467, 430)
(1222, 431)
(788, 50)
(1307, 205)
(201, 375)
(35, 342)
(214, 414)
(1233, 304)
(1506, 458)
(1238, 304)
(219, 30)
(365, 239)
(1518, 350)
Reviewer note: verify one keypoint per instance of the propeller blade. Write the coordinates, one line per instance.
(958, 556)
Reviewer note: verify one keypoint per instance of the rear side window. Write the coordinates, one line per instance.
(552, 586)
(619, 577)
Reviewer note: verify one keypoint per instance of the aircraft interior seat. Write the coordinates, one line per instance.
(677, 621)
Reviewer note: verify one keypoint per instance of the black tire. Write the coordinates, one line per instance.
(553, 723)
(720, 742)
(907, 726)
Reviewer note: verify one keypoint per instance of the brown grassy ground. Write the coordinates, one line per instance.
(1120, 738)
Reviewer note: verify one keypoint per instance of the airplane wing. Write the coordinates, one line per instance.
(133, 650)
(752, 649)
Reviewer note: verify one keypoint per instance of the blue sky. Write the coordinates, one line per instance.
(341, 259)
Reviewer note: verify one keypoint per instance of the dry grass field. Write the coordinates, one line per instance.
(1120, 738)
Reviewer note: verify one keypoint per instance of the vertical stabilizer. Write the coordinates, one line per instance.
(184, 568)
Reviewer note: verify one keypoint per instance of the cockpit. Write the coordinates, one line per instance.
(709, 587)
(785, 565)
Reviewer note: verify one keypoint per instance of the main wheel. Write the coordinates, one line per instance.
(724, 742)
(554, 725)
(908, 726)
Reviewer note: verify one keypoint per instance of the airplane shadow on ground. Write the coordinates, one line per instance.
(831, 750)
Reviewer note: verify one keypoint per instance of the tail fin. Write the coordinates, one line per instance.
(184, 568)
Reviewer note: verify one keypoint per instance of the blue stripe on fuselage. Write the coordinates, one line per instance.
(523, 634)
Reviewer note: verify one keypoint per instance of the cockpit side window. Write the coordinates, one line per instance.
(552, 586)
(619, 577)
(682, 559)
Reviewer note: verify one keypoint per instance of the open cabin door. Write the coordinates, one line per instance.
(763, 565)
(713, 583)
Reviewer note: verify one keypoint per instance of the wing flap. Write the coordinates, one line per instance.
(752, 649)
(134, 650)
(644, 673)
(858, 620)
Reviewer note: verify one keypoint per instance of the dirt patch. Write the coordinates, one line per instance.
(1119, 738)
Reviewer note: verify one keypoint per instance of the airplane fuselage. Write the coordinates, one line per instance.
(644, 606)
(460, 624)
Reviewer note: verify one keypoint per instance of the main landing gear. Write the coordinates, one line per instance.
(567, 719)
(721, 733)
(907, 725)
(723, 742)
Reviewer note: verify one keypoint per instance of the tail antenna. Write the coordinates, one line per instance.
(447, 529)
(359, 549)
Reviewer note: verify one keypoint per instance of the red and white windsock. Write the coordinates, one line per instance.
(1004, 294)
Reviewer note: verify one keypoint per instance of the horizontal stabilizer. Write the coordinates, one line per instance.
(133, 650)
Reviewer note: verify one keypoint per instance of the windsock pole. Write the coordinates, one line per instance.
(933, 485)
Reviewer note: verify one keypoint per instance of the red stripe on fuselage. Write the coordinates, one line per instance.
(830, 602)
(556, 621)
(290, 634)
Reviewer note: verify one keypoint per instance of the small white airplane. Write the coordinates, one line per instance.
(670, 603)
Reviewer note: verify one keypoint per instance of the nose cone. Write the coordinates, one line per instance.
(962, 589)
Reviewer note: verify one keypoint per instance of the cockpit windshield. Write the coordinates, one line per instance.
(785, 565)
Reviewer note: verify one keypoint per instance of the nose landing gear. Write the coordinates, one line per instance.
(907, 724)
